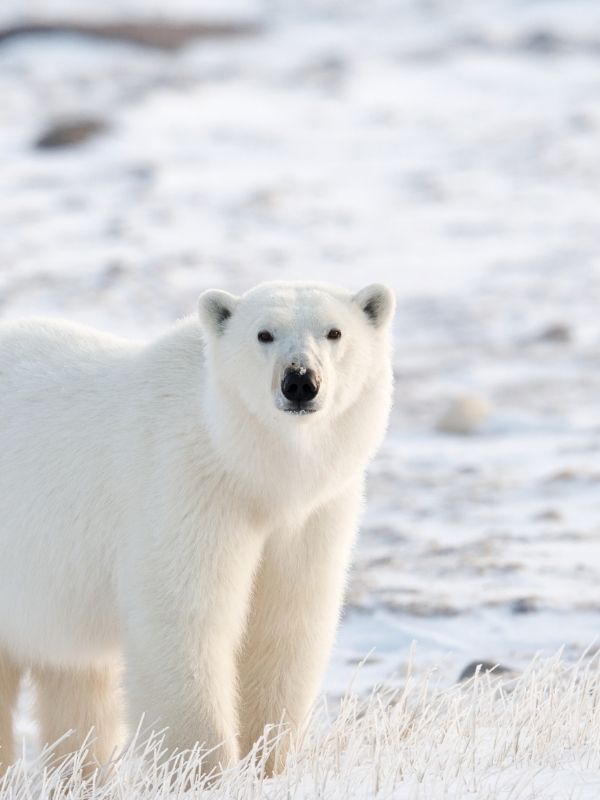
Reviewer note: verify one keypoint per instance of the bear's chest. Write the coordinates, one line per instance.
(288, 493)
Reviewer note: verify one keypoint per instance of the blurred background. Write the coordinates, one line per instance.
(451, 148)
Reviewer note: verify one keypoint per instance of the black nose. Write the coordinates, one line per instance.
(300, 385)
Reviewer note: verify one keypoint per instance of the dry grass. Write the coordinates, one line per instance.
(537, 736)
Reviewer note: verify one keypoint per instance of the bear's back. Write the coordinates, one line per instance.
(38, 352)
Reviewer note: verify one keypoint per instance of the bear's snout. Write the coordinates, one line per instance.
(299, 385)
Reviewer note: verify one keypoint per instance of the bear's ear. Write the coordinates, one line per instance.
(214, 309)
(377, 302)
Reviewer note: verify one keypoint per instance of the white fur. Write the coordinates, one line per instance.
(159, 507)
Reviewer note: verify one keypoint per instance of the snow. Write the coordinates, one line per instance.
(447, 148)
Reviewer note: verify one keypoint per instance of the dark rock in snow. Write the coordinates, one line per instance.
(482, 666)
(160, 34)
(69, 132)
(549, 515)
(524, 605)
(558, 333)
(543, 41)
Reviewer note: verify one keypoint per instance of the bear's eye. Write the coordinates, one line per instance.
(334, 333)
(265, 336)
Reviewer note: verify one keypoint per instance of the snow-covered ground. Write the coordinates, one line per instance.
(448, 147)
(532, 738)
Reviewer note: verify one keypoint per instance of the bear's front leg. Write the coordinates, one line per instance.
(186, 607)
(295, 609)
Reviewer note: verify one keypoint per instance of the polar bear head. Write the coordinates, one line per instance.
(294, 350)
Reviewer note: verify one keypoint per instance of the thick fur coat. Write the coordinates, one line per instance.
(172, 521)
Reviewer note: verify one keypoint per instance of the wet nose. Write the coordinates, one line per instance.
(300, 385)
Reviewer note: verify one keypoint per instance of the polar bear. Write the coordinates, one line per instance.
(185, 510)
